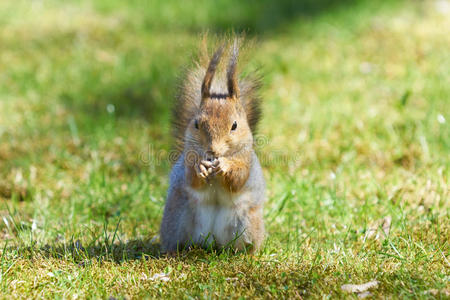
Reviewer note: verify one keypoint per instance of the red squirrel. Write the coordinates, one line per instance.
(217, 188)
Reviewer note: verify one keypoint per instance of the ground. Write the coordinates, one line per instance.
(355, 144)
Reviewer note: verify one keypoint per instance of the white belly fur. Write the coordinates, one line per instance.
(218, 216)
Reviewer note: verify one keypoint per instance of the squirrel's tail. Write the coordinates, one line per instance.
(189, 95)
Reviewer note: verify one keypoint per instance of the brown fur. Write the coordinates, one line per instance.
(237, 173)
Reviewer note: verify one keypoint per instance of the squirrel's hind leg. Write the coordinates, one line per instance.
(255, 229)
(175, 223)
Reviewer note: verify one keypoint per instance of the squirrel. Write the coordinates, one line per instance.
(217, 189)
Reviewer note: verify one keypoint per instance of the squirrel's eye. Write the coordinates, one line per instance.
(234, 126)
(196, 124)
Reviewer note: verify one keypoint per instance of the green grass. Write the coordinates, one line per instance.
(355, 129)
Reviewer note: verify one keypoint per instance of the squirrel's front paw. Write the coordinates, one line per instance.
(223, 165)
(206, 168)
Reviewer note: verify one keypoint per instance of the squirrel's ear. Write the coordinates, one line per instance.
(213, 63)
(232, 81)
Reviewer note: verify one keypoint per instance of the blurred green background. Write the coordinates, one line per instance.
(355, 129)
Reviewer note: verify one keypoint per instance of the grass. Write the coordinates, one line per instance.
(355, 129)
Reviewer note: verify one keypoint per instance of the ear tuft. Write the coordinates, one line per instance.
(232, 81)
(214, 62)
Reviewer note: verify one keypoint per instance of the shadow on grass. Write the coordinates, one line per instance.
(259, 270)
(118, 252)
(261, 17)
(76, 252)
(125, 95)
(148, 95)
(256, 17)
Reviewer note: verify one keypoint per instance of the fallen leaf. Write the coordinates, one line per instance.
(162, 277)
(384, 224)
(50, 274)
(364, 294)
(155, 277)
(359, 288)
(435, 292)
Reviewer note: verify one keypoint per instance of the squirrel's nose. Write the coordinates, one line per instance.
(211, 155)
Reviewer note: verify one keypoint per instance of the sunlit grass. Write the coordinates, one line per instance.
(355, 129)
